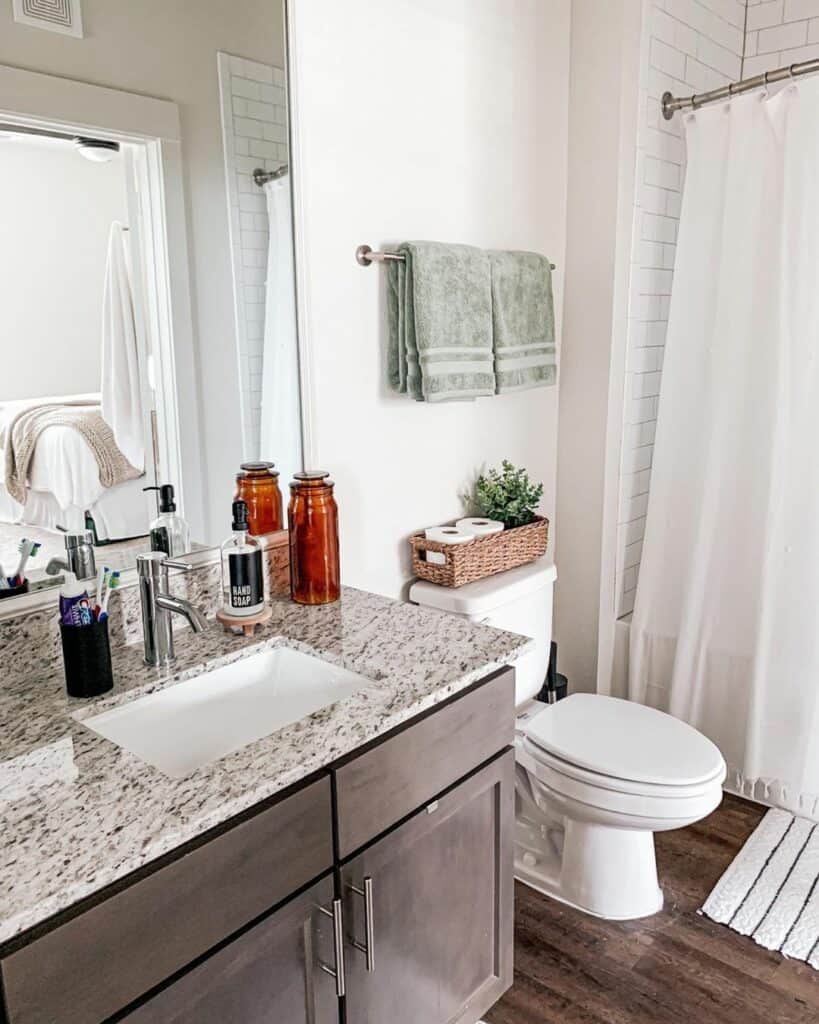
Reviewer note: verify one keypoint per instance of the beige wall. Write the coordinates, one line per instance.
(603, 109)
(420, 119)
(168, 50)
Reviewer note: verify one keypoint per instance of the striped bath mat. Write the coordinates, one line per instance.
(771, 889)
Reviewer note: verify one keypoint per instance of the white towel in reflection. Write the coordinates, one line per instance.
(121, 391)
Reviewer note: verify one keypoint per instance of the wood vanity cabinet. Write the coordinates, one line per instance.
(438, 894)
(270, 973)
(397, 866)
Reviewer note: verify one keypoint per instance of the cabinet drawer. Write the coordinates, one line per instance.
(407, 769)
(101, 960)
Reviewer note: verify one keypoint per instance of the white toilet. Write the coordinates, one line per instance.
(596, 777)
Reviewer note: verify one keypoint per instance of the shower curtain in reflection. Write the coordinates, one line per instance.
(725, 631)
(280, 412)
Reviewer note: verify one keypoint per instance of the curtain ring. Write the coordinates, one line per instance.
(790, 71)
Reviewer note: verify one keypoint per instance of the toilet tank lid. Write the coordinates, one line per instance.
(483, 596)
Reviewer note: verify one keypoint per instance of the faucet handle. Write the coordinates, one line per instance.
(155, 564)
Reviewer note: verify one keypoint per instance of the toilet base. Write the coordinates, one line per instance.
(607, 872)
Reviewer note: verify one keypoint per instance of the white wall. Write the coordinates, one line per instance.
(169, 50)
(605, 42)
(420, 119)
(56, 210)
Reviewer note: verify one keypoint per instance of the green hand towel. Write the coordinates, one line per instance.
(523, 318)
(439, 308)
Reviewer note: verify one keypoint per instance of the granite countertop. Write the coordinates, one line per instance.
(78, 812)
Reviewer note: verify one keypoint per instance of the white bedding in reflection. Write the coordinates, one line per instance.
(64, 483)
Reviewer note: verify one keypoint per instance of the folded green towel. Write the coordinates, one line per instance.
(439, 309)
(523, 319)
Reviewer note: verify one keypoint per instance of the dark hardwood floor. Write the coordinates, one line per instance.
(677, 966)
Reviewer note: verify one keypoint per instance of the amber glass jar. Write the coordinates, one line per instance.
(312, 515)
(257, 485)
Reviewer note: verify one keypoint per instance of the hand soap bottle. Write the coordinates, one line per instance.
(242, 574)
(169, 531)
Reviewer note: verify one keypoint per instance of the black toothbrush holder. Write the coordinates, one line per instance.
(87, 659)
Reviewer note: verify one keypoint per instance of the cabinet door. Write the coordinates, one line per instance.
(271, 973)
(431, 903)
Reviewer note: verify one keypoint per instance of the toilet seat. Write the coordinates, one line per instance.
(536, 756)
(621, 745)
(587, 796)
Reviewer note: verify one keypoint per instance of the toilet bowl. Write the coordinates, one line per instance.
(595, 776)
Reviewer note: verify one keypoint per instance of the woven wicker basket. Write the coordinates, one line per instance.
(483, 556)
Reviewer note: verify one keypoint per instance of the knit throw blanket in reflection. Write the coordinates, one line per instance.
(19, 440)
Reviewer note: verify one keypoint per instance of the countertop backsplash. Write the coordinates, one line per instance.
(30, 641)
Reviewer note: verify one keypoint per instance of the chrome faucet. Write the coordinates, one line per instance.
(79, 557)
(158, 606)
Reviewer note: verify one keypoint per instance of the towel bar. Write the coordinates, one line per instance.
(364, 256)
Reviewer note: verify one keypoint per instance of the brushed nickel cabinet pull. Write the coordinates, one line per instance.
(336, 972)
(368, 946)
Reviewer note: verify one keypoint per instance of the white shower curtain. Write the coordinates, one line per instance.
(280, 414)
(725, 632)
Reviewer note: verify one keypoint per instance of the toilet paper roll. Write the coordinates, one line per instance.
(477, 526)
(445, 535)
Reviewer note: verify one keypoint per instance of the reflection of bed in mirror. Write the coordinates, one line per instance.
(75, 458)
(63, 486)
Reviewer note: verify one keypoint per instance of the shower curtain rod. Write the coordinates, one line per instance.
(672, 103)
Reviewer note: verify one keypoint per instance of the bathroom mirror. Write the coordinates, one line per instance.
(146, 260)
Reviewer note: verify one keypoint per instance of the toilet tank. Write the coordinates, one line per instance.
(519, 600)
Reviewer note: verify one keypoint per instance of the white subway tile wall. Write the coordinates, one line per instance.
(254, 132)
(780, 32)
(688, 46)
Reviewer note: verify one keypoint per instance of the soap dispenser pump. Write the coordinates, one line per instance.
(169, 531)
(242, 572)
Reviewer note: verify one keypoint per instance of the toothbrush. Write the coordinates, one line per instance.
(112, 585)
(27, 548)
(102, 581)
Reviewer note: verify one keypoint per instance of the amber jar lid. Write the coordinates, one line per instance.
(258, 469)
(311, 478)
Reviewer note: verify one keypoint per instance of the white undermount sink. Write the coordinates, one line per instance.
(195, 722)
